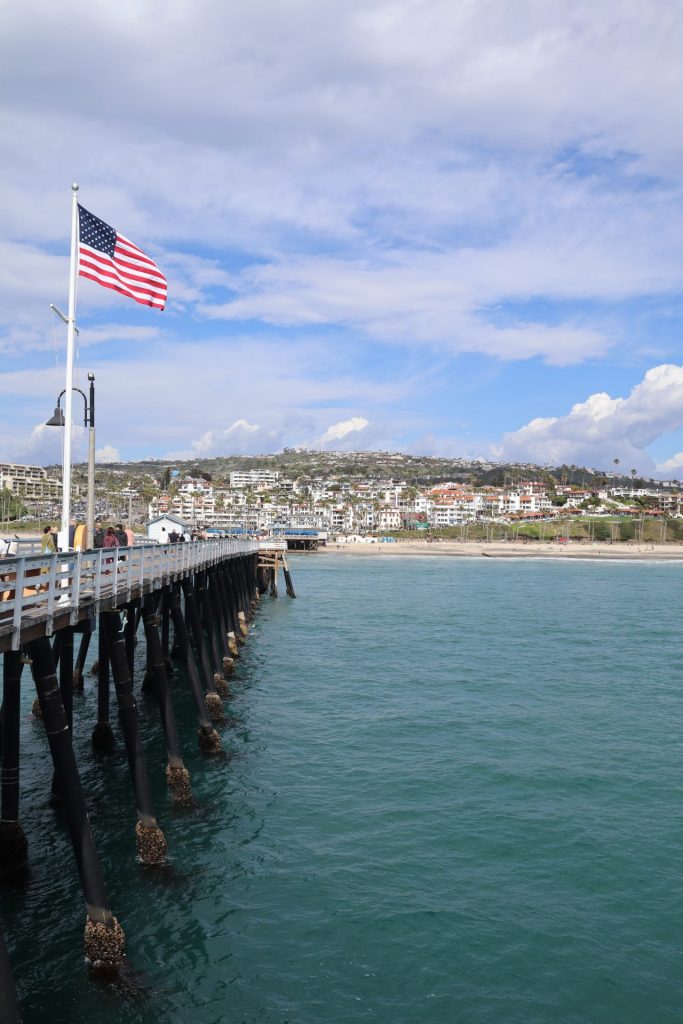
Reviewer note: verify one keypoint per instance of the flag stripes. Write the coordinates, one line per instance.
(112, 260)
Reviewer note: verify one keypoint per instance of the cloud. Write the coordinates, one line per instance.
(41, 445)
(240, 438)
(430, 300)
(672, 464)
(381, 178)
(339, 431)
(602, 428)
(108, 454)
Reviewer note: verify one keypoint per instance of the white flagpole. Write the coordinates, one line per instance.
(68, 393)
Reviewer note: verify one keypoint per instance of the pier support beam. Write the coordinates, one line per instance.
(102, 737)
(216, 596)
(151, 844)
(176, 773)
(81, 656)
(289, 586)
(13, 844)
(104, 938)
(228, 610)
(211, 625)
(211, 698)
(165, 630)
(235, 637)
(130, 629)
(209, 740)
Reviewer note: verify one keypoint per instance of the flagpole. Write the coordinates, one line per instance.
(68, 393)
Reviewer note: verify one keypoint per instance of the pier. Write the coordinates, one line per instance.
(192, 602)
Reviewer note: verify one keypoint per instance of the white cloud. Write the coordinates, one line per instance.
(414, 174)
(108, 454)
(240, 438)
(339, 431)
(439, 300)
(602, 428)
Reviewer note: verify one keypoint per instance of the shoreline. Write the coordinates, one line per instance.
(511, 549)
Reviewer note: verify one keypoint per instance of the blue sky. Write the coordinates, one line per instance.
(431, 225)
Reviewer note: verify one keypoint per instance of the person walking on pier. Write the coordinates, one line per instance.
(47, 547)
(47, 542)
(110, 538)
(110, 541)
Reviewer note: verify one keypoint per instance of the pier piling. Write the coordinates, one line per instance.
(211, 697)
(209, 740)
(82, 655)
(150, 841)
(104, 937)
(103, 736)
(176, 772)
(13, 844)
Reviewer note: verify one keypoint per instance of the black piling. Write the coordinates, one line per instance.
(66, 689)
(176, 772)
(220, 619)
(166, 630)
(82, 655)
(229, 612)
(66, 673)
(210, 623)
(133, 612)
(103, 736)
(13, 845)
(289, 586)
(209, 739)
(211, 697)
(151, 844)
(104, 938)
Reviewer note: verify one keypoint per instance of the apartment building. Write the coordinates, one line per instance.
(30, 482)
(254, 478)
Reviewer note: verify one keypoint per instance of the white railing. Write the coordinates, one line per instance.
(37, 587)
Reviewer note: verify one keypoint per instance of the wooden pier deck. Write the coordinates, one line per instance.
(41, 594)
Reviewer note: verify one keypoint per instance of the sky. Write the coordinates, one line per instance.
(446, 227)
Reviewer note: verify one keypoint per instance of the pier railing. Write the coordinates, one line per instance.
(36, 588)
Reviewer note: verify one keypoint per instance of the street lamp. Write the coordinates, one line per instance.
(57, 420)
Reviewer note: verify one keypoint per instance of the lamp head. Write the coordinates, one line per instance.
(91, 376)
(57, 418)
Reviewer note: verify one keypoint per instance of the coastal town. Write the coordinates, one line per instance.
(356, 496)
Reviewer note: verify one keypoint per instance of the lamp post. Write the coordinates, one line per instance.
(58, 420)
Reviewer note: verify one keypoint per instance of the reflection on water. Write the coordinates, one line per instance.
(450, 792)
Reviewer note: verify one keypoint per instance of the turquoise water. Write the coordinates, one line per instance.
(452, 793)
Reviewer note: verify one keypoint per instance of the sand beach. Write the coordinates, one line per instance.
(509, 549)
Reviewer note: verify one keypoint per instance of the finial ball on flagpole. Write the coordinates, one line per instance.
(75, 186)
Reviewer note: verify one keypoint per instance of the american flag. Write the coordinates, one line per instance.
(110, 259)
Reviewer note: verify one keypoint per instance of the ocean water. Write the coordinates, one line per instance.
(452, 792)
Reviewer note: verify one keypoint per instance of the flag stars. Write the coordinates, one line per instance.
(95, 233)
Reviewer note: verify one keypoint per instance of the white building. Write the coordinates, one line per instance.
(159, 528)
(388, 519)
(29, 482)
(254, 478)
